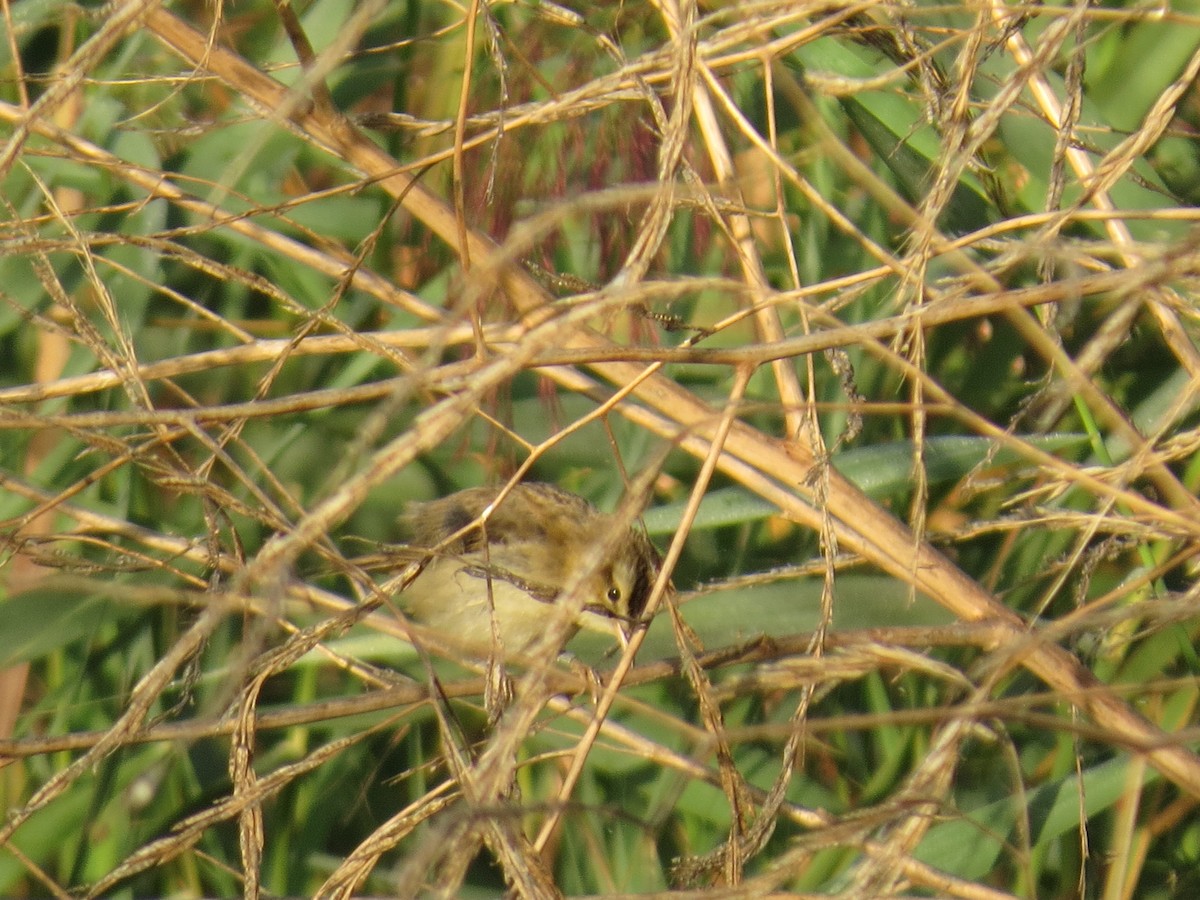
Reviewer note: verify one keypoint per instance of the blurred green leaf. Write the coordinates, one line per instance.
(970, 847)
(1131, 67)
(39, 622)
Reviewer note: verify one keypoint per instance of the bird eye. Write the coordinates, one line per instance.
(614, 594)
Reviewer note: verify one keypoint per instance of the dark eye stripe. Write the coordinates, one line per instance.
(455, 519)
(640, 593)
(643, 581)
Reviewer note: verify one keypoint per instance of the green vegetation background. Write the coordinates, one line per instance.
(167, 411)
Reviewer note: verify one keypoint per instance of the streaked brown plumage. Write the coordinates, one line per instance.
(532, 544)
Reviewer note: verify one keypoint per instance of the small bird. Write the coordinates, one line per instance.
(510, 567)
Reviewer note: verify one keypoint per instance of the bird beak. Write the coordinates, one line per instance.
(623, 636)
